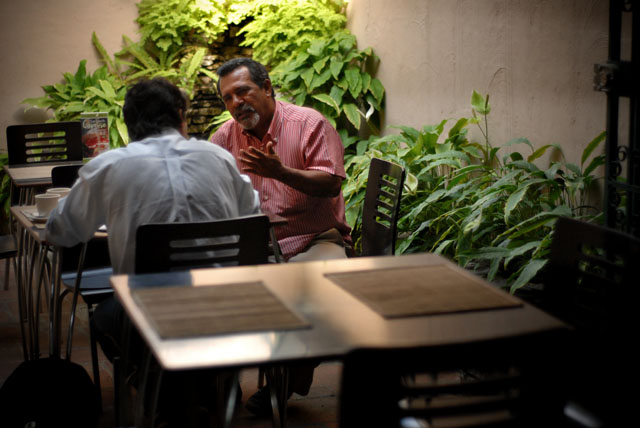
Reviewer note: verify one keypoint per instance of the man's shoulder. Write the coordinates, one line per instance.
(301, 113)
(220, 137)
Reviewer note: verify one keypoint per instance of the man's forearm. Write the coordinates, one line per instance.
(314, 183)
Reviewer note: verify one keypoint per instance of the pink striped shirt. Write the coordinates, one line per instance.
(303, 139)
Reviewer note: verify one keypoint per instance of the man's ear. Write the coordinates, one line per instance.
(184, 127)
(266, 85)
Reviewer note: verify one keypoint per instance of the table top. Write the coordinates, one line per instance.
(339, 321)
(34, 175)
(35, 230)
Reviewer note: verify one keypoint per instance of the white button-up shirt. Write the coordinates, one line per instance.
(160, 179)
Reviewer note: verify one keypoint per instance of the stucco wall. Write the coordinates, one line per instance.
(534, 57)
(41, 39)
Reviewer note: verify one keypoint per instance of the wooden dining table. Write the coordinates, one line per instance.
(28, 178)
(318, 310)
(32, 281)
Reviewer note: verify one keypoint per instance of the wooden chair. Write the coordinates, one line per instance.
(44, 143)
(381, 208)
(591, 283)
(509, 382)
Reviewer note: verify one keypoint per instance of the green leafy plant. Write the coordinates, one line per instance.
(463, 201)
(83, 92)
(167, 24)
(331, 77)
(180, 67)
(277, 30)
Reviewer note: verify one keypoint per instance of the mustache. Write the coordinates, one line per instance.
(246, 108)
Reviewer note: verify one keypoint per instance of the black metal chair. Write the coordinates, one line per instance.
(509, 382)
(85, 272)
(44, 143)
(8, 251)
(179, 246)
(64, 175)
(381, 208)
(591, 283)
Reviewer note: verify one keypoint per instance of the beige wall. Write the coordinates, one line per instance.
(41, 39)
(534, 57)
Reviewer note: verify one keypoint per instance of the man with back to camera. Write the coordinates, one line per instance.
(295, 160)
(160, 177)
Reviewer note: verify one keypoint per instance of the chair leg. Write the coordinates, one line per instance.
(95, 363)
(7, 266)
(261, 377)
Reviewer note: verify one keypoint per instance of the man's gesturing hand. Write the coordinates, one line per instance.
(263, 163)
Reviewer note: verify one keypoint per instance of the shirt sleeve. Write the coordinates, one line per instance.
(80, 213)
(324, 150)
(221, 136)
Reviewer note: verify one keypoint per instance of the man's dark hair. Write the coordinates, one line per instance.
(257, 71)
(153, 106)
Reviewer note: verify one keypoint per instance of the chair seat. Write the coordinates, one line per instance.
(95, 285)
(8, 247)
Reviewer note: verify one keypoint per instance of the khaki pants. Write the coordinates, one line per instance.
(326, 246)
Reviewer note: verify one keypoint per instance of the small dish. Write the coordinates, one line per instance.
(34, 217)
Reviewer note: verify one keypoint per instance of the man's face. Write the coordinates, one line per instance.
(249, 104)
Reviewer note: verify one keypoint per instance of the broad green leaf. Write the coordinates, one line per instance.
(541, 151)
(336, 67)
(320, 79)
(353, 114)
(377, 89)
(307, 77)
(328, 101)
(514, 199)
(473, 151)
(108, 90)
(592, 146)
(319, 65)
(480, 103)
(355, 83)
(519, 251)
(103, 53)
(97, 92)
(528, 272)
(595, 162)
(520, 140)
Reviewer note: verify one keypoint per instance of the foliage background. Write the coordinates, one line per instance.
(461, 199)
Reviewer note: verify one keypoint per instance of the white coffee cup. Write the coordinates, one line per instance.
(62, 191)
(46, 202)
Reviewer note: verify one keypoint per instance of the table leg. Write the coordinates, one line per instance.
(278, 382)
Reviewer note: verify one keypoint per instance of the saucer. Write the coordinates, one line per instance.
(34, 217)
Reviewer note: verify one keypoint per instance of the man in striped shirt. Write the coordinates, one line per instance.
(295, 160)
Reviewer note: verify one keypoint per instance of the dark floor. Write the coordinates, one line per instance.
(317, 410)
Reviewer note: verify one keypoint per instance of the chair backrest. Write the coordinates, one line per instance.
(177, 246)
(381, 208)
(501, 382)
(591, 282)
(64, 175)
(592, 273)
(44, 143)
